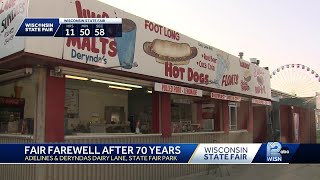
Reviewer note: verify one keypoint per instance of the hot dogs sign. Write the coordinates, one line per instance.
(150, 49)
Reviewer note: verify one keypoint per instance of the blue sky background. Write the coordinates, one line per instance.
(277, 32)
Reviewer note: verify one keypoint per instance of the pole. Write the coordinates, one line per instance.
(310, 127)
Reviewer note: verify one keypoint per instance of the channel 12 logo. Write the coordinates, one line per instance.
(275, 152)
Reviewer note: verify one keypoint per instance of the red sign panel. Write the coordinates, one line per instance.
(225, 97)
(262, 102)
(177, 89)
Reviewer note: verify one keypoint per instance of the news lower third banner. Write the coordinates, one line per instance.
(71, 27)
(272, 152)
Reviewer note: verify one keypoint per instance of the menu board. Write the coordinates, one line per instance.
(11, 109)
(11, 112)
(72, 101)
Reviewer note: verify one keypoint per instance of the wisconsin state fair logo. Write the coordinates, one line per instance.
(275, 152)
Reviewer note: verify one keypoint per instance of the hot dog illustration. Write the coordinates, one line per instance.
(168, 51)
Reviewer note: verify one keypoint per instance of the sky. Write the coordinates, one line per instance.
(277, 32)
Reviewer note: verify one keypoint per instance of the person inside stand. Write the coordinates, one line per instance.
(138, 127)
(66, 118)
(24, 127)
(132, 124)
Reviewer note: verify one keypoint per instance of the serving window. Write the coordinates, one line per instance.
(194, 114)
(17, 106)
(105, 106)
(238, 115)
(233, 116)
(183, 114)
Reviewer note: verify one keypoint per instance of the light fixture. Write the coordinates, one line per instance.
(241, 55)
(121, 88)
(16, 74)
(134, 64)
(99, 75)
(149, 91)
(115, 83)
(77, 77)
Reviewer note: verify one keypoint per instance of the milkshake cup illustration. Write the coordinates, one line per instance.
(126, 43)
(222, 66)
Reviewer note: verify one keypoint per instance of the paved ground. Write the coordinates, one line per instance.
(262, 172)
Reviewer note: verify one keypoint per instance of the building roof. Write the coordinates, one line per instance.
(276, 93)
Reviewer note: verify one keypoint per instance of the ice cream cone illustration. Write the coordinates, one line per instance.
(223, 65)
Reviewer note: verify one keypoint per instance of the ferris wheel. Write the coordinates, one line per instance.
(296, 79)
